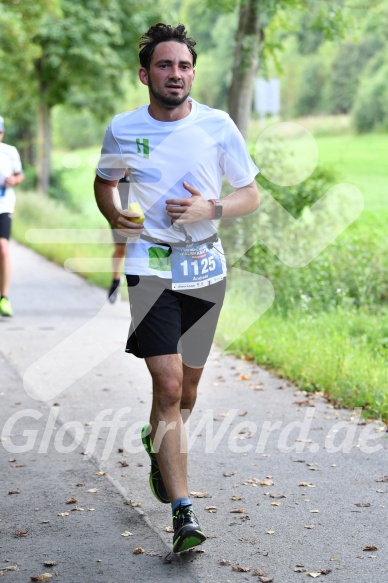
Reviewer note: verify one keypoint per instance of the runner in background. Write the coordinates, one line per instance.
(119, 243)
(11, 175)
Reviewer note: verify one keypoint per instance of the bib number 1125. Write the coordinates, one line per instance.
(199, 267)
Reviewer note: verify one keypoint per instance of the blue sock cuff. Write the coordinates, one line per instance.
(180, 502)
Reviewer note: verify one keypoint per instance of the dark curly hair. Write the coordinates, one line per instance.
(160, 33)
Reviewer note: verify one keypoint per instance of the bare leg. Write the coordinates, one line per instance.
(169, 445)
(191, 378)
(117, 259)
(5, 267)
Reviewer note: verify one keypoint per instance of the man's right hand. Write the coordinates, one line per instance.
(125, 227)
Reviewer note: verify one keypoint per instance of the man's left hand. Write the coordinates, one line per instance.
(189, 210)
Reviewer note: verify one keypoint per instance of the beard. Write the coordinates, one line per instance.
(169, 101)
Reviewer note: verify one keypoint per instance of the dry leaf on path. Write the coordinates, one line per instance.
(225, 562)
(102, 473)
(169, 529)
(126, 533)
(21, 533)
(362, 504)
(13, 492)
(237, 511)
(310, 526)
(276, 503)
(370, 548)
(383, 479)
(72, 501)
(325, 571)
(138, 551)
(245, 377)
(276, 496)
(124, 464)
(50, 563)
(200, 494)
(230, 474)
(211, 509)
(63, 513)
(92, 490)
(270, 532)
(265, 579)
(313, 575)
(241, 569)
(306, 484)
(43, 577)
(300, 570)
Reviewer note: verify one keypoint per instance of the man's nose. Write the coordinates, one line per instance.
(175, 72)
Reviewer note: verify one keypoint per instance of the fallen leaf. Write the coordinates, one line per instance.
(370, 548)
(92, 490)
(243, 414)
(259, 573)
(241, 569)
(126, 533)
(200, 494)
(80, 484)
(169, 529)
(276, 496)
(276, 503)
(383, 479)
(325, 571)
(314, 575)
(225, 562)
(211, 509)
(50, 563)
(237, 511)
(310, 526)
(245, 377)
(21, 533)
(72, 501)
(300, 570)
(77, 509)
(138, 551)
(235, 498)
(14, 492)
(229, 474)
(100, 473)
(124, 464)
(306, 484)
(314, 511)
(43, 577)
(265, 579)
(270, 532)
(363, 504)
(63, 513)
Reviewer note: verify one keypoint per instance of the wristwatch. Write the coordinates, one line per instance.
(217, 208)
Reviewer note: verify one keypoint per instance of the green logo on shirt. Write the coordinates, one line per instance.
(143, 147)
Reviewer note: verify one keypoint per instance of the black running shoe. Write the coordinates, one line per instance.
(187, 532)
(156, 481)
(114, 290)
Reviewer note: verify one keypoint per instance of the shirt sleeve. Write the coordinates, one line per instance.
(236, 162)
(16, 162)
(110, 165)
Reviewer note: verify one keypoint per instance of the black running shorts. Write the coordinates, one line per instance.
(5, 225)
(166, 321)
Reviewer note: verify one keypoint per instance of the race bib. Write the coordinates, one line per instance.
(196, 266)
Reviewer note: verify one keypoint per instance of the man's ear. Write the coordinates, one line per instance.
(143, 75)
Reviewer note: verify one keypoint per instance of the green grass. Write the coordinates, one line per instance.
(341, 352)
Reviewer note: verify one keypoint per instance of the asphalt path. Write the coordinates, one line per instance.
(285, 486)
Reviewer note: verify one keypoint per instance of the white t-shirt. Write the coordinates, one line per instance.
(9, 164)
(199, 149)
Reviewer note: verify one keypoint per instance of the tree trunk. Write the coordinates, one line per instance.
(44, 143)
(245, 64)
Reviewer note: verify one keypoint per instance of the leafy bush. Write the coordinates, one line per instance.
(371, 105)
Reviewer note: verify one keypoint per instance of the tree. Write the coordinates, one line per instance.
(253, 19)
(72, 52)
